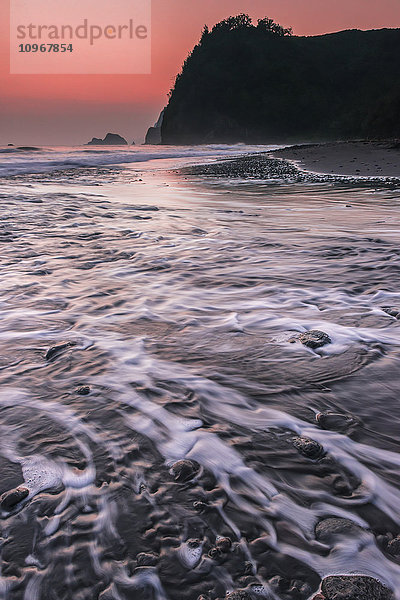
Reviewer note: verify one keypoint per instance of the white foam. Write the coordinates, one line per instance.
(40, 474)
(190, 554)
(52, 159)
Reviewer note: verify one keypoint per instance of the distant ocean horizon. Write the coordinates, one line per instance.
(45, 159)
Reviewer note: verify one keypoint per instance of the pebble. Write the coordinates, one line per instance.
(146, 559)
(238, 595)
(185, 470)
(56, 350)
(335, 422)
(248, 568)
(392, 311)
(84, 390)
(393, 546)
(215, 553)
(224, 544)
(200, 506)
(145, 206)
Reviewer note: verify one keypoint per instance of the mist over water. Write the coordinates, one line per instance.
(176, 298)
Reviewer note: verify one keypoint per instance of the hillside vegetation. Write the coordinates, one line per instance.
(246, 82)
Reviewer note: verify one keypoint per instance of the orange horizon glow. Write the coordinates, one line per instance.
(71, 109)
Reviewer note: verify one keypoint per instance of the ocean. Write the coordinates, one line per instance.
(165, 430)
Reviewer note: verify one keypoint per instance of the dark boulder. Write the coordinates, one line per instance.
(354, 587)
(312, 339)
(329, 529)
(10, 499)
(308, 447)
(185, 470)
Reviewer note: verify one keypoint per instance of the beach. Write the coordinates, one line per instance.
(363, 162)
(359, 159)
(199, 373)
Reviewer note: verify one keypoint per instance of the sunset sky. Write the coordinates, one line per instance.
(71, 109)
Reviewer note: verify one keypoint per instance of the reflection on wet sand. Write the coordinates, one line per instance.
(162, 437)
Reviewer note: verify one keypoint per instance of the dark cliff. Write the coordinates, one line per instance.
(153, 135)
(259, 83)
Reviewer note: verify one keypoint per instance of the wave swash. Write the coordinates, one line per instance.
(199, 383)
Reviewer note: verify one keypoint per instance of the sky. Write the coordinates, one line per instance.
(71, 109)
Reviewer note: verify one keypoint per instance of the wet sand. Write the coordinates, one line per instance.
(199, 385)
(361, 158)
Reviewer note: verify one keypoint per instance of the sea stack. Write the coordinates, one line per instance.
(153, 135)
(111, 139)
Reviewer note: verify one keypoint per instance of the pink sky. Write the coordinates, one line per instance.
(71, 109)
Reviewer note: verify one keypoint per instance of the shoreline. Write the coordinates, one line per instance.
(353, 158)
(361, 162)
